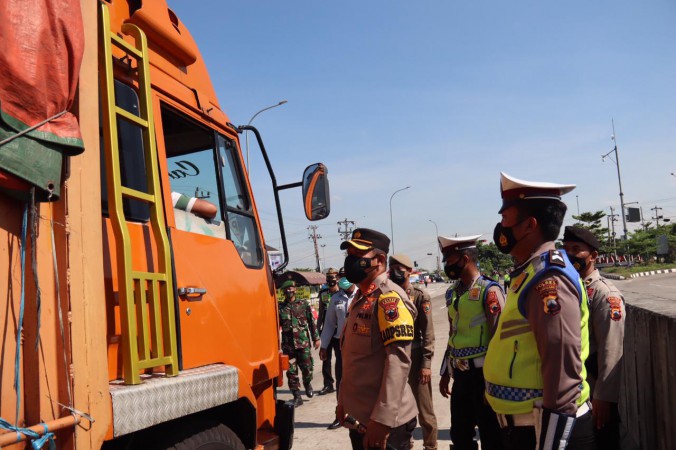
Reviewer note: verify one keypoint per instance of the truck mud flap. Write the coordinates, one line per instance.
(284, 418)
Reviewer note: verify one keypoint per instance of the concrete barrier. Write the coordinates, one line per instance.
(648, 397)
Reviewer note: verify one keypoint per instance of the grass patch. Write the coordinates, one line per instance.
(638, 268)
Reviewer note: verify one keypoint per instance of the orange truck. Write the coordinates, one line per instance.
(130, 317)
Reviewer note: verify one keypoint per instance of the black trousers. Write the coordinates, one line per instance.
(335, 342)
(399, 439)
(523, 438)
(608, 437)
(334, 346)
(469, 409)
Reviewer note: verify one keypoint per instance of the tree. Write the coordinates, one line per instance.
(593, 221)
(491, 259)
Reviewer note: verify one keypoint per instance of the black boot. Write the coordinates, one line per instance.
(308, 391)
(297, 399)
(326, 390)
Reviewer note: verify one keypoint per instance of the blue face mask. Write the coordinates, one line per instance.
(344, 284)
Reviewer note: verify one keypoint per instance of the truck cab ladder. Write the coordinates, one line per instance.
(146, 299)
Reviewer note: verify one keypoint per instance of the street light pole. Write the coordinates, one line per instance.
(619, 179)
(391, 222)
(246, 136)
(437, 242)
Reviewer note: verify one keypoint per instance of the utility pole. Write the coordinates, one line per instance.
(657, 215)
(612, 224)
(314, 236)
(619, 178)
(347, 230)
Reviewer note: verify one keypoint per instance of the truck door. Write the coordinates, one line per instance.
(226, 305)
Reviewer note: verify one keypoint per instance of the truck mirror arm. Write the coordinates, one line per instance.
(240, 129)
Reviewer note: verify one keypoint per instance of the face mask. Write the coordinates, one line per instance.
(398, 276)
(356, 268)
(344, 284)
(289, 294)
(579, 263)
(453, 271)
(504, 238)
(331, 283)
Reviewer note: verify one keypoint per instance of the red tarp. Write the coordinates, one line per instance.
(42, 43)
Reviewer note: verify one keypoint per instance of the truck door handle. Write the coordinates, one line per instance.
(192, 294)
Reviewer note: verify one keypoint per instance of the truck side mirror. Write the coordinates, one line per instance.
(316, 198)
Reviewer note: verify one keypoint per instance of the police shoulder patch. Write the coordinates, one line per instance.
(548, 291)
(394, 319)
(492, 303)
(474, 293)
(615, 308)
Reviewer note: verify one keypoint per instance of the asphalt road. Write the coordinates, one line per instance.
(657, 293)
(317, 413)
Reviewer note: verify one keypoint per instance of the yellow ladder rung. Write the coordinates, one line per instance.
(138, 195)
(123, 45)
(155, 362)
(157, 276)
(131, 117)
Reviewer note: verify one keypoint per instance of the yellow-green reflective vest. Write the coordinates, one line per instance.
(513, 367)
(470, 328)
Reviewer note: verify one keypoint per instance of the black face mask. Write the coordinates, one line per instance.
(453, 271)
(398, 276)
(331, 283)
(356, 268)
(580, 264)
(504, 238)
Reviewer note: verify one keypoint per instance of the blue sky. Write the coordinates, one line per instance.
(442, 96)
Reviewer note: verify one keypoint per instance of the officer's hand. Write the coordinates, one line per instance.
(443, 385)
(317, 342)
(425, 376)
(601, 412)
(323, 354)
(376, 435)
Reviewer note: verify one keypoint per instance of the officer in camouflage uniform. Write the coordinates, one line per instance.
(324, 299)
(298, 328)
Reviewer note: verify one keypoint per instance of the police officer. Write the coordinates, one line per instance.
(298, 328)
(324, 299)
(336, 315)
(474, 305)
(376, 348)
(534, 369)
(606, 337)
(422, 349)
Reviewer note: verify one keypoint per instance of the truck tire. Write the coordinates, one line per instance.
(217, 437)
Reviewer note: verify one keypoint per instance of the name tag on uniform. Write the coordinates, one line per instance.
(361, 329)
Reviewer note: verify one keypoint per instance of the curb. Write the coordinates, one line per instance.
(652, 272)
(612, 276)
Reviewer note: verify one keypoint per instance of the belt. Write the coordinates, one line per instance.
(516, 420)
(467, 364)
(528, 419)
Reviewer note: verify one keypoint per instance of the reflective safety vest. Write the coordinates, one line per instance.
(467, 313)
(513, 367)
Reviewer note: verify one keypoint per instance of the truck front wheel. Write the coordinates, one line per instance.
(217, 437)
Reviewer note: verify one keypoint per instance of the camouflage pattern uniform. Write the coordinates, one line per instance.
(298, 333)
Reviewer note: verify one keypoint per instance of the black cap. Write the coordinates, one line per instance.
(367, 239)
(579, 234)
